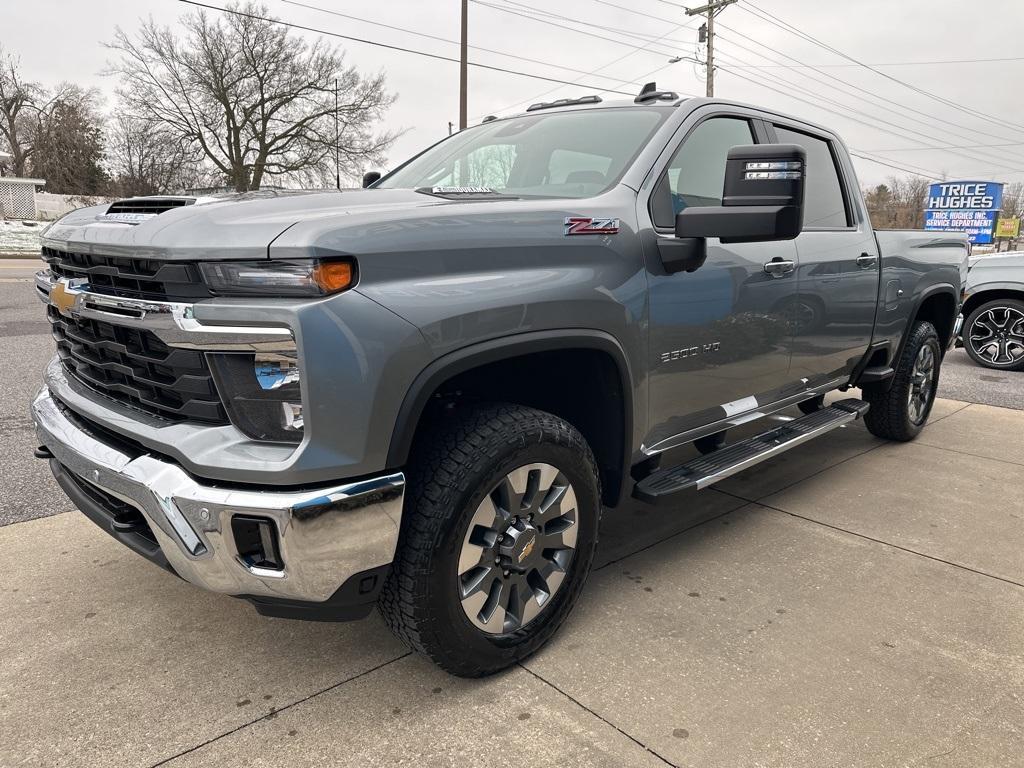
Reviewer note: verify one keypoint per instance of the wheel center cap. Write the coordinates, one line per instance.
(518, 544)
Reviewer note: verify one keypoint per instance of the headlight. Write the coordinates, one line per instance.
(305, 277)
(261, 394)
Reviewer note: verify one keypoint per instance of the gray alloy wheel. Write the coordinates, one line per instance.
(922, 382)
(517, 548)
(996, 336)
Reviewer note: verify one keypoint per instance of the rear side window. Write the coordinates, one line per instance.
(696, 173)
(824, 204)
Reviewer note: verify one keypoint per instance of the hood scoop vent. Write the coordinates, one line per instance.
(138, 209)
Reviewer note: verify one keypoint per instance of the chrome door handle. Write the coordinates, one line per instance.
(866, 260)
(779, 267)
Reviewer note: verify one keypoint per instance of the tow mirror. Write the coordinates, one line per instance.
(370, 177)
(762, 199)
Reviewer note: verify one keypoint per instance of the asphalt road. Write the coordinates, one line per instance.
(28, 491)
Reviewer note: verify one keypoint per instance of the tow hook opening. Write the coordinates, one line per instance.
(257, 542)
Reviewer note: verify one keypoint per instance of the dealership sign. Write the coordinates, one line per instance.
(1008, 228)
(964, 206)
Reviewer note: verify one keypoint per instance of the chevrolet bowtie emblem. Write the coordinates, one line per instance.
(61, 298)
(527, 550)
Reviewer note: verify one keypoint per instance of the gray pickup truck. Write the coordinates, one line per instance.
(421, 395)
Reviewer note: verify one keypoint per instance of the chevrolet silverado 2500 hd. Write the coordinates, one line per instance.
(421, 395)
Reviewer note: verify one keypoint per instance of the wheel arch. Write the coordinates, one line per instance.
(938, 305)
(607, 427)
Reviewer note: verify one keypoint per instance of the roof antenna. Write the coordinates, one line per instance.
(650, 92)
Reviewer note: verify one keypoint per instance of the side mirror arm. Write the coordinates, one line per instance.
(682, 254)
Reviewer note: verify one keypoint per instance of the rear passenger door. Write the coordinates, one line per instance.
(838, 272)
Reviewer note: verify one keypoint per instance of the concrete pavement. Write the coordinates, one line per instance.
(852, 603)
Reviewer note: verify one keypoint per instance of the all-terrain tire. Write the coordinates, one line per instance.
(1003, 350)
(453, 467)
(901, 411)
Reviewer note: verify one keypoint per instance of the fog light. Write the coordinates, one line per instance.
(261, 393)
(256, 542)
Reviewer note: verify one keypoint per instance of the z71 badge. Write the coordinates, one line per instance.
(586, 225)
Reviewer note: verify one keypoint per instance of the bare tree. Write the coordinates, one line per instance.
(146, 158)
(899, 203)
(256, 100)
(68, 143)
(20, 102)
(1013, 200)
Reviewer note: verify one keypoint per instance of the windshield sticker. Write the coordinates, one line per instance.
(462, 191)
(586, 225)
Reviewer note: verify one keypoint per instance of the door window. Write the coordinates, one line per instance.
(696, 173)
(824, 204)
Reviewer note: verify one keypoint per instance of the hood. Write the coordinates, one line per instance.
(236, 226)
(1008, 259)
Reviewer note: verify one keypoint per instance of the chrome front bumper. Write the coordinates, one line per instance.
(326, 535)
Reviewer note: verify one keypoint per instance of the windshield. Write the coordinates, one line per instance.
(558, 154)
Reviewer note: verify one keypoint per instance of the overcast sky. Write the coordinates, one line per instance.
(619, 49)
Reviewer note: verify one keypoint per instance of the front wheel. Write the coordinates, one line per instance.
(900, 412)
(994, 335)
(498, 536)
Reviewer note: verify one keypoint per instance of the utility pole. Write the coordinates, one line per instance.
(710, 10)
(464, 65)
(337, 140)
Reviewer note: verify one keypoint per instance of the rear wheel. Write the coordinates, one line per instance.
(498, 536)
(900, 412)
(994, 335)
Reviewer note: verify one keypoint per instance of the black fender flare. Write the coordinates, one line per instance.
(932, 290)
(495, 350)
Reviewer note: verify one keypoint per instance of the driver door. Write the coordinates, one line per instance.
(720, 337)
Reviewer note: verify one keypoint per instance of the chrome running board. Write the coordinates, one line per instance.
(707, 470)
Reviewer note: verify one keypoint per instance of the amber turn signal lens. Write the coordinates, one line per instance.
(333, 276)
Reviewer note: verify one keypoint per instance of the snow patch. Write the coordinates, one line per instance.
(20, 236)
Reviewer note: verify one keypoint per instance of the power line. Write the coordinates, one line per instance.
(772, 19)
(513, 12)
(849, 109)
(391, 47)
(436, 37)
(636, 49)
(853, 151)
(944, 125)
(893, 63)
(954, 146)
(846, 112)
(618, 30)
(592, 72)
(930, 175)
(662, 19)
